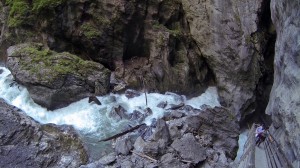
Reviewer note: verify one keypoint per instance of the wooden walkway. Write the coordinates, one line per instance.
(268, 155)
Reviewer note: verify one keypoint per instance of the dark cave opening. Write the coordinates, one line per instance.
(134, 41)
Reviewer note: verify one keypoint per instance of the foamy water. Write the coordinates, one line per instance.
(90, 120)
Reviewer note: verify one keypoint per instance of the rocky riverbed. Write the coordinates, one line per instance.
(184, 137)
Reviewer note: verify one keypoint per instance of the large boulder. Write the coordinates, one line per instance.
(189, 149)
(284, 103)
(26, 143)
(55, 80)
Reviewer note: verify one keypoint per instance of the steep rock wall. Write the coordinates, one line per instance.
(181, 46)
(284, 103)
(230, 37)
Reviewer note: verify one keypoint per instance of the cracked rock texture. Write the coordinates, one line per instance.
(284, 104)
(181, 46)
(26, 143)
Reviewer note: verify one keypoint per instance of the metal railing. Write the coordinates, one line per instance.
(248, 158)
(274, 154)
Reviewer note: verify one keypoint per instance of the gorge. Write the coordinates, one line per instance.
(65, 51)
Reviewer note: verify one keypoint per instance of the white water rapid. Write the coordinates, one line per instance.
(90, 120)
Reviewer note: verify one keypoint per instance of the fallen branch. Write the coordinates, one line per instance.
(121, 134)
(144, 156)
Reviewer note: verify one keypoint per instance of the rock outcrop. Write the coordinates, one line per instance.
(197, 137)
(284, 104)
(55, 80)
(26, 143)
(180, 46)
(230, 36)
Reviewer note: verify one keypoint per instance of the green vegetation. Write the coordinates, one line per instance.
(39, 5)
(19, 9)
(102, 20)
(90, 31)
(43, 61)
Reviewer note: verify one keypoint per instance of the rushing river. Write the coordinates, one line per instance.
(90, 120)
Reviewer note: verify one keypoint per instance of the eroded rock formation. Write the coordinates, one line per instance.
(284, 103)
(230, 36)
(55, 80)
(26, 143)
(182, 46)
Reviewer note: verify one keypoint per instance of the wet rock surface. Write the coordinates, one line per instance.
(199, 137)
(26, 143)
(55, 80)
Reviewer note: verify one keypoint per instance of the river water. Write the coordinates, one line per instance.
(92, 121)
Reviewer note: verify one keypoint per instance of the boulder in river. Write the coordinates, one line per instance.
(55, 80)
(129, 93)
(94, 99)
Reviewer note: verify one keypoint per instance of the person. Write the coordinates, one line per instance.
(259, 130)
(261, 134)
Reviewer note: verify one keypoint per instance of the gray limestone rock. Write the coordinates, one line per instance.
(123, 145)
(189, 149)
(226, 33)
(26, 143)
(169, 160)
(161, 134)
(108, 159)
(284, 103)
(148, 148)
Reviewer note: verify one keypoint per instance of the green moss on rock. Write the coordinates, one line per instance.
(19, 10)
(90, 31)
(175, 31)
(43, 61)
(39, 5)
(22, 12)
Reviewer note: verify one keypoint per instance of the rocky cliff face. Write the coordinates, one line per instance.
(26, 143)
(284, 104)
(182, 46)
(232, 36)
